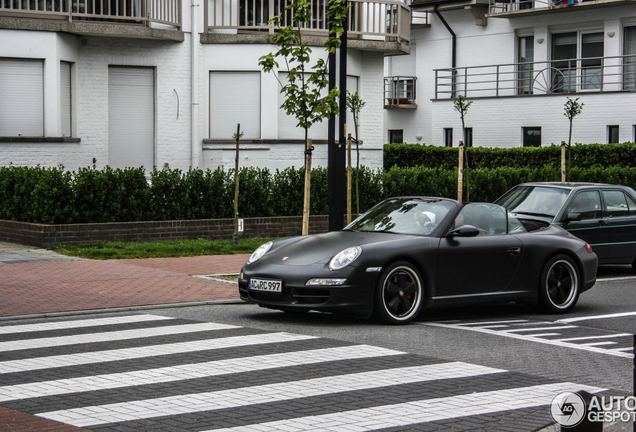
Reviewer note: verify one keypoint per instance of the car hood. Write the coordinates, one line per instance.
(320, 248)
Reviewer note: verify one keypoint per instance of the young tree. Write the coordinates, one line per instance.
(304, 89)
(571, 109)
(355, 104)
(461, 105)
(237, 137)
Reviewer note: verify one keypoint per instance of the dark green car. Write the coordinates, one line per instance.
(603, 215)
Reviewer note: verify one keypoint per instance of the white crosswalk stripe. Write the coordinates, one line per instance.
(109, 336)
(410, 413)
(62, 325)
(268, 393)
(361, 387)
(66, 360)
(189, 371)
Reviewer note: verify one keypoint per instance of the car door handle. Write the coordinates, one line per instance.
(514, 251)
(602, 222)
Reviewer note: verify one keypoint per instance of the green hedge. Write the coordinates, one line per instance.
(583, 156)
(54, 196)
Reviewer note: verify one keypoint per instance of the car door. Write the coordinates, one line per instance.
(478, 265)
(584, 218)
(620, 212)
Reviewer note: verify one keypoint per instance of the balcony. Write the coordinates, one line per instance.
(373, 24)
(583, 75)
(514, 8)
(143, 18)
(399, 92)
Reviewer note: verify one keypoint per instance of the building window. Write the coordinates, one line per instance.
(629, 61)
(468, 137)
(21, 97)
(235, 97)
(525, 57)
(612, 134)
(532, 137)
(66, 99)
(448, 137)
(567, 70)
(396, 136)
(288, 124)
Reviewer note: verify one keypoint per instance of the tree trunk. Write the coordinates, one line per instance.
(308, 149)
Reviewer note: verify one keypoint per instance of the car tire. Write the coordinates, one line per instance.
(399, 294)
(560, 284)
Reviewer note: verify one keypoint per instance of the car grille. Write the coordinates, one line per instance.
(305, 296)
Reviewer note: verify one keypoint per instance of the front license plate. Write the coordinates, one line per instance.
(266, 285)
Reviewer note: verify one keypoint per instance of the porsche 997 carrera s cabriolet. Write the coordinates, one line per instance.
(410, 253)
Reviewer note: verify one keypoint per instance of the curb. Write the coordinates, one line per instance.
(120, 309)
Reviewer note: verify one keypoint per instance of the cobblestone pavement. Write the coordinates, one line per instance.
(154, 373)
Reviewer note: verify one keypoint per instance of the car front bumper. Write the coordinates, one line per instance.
(354, 297)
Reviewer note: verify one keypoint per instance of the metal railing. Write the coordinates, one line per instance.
(500, 6)
(373, 19)
(592, 74)
(399, 90)
(141, 12)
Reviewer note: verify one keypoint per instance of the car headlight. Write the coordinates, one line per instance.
(259, 252)
(345, 257)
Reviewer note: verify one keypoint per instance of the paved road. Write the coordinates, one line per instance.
(151, 372)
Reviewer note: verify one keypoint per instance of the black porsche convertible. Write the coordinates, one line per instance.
(408, 253)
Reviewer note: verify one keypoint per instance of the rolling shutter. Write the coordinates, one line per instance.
(21, 97)
(131, 117)
(235, 97)
(287, 125)
(65, 98)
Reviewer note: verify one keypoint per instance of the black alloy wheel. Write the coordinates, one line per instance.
(399, 294)
(560, 284)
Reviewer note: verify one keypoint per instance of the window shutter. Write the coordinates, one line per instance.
(21, 97)
(65, 98)
(235, 97)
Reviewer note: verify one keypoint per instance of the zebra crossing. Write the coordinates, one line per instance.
(559, 333)
(149, 372)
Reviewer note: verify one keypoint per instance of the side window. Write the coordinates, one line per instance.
(488, 218)
(587, 204)
(615, 203)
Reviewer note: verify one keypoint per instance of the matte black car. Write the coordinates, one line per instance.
(407, 253)
(603, 215)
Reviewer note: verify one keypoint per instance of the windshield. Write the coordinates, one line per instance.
(403, 216)
(535, 200)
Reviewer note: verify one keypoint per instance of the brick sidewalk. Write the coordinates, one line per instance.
(64, 286)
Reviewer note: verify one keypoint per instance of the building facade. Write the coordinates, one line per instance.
(130, 83)
(517, 61)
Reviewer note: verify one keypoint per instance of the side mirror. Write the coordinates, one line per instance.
(572, 217)
(464, 231)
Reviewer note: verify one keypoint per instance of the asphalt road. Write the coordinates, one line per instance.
(606, 314)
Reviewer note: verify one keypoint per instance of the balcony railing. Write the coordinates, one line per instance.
(502, 6)
(386, 20)
(141, 12)
(399, 92)
(591, 74)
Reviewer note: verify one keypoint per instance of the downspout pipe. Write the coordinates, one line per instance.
(453, 37)
(194, 85)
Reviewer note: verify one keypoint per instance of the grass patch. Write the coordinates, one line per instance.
(161, 249)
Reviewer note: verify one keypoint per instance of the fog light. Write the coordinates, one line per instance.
(326, 281)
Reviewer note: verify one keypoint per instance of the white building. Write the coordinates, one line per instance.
(155, 82)
(517, 61)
